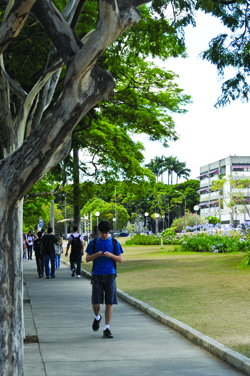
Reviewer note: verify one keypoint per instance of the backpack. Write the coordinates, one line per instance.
(114, 241)
(58, 250)
(48, 244)
(76, 248)
(37, 245)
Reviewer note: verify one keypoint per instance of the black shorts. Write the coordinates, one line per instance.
(104, 285)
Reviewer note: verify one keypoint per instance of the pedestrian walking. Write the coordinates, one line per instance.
(104, 252)
(48, 250)
(30, 239)
(77, 251)
(58, 251)
(39, 255)
(25, 245)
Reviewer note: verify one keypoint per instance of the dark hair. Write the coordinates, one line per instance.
(39, 234)
(75, 228)
(50, 230)
(104, 226)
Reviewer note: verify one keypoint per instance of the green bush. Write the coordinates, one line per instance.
(144, 240)
(188, 222)
(200, 242)
(212, 220)
(216, 244)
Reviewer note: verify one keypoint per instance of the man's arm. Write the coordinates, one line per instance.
(94, 256)
(117, 258)
(68, 245)
(82, 247)
(41, 248)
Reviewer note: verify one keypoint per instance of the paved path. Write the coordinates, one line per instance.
(59, 312)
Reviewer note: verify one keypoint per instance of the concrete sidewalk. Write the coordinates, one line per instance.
(59, 312)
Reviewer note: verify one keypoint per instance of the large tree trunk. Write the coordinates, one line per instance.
(11, 288)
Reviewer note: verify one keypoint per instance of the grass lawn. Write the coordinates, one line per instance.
(210, 292)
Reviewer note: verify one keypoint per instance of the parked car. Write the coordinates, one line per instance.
(123, 234)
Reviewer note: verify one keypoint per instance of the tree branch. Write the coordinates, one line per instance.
(77, 14)
(14, 22)
(17, 89)
(224, 2)
(111, 24)
(23, 115)
(6, 126)
(63, 37)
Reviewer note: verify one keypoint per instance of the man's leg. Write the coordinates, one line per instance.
(110, 299)
(72, 267)
(97, 300)
(79, 260)
(96, 309)
(98, 317)
(42, 264)
(46, 261)
(28, 252)
(108, 313)
(38, 265)
(52, 261)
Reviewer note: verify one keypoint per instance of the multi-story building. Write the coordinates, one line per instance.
(219, 202)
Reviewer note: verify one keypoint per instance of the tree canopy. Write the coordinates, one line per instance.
(230, 48)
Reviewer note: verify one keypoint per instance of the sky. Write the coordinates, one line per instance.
(206, 134)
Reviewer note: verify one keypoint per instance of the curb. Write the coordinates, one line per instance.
(235, 359)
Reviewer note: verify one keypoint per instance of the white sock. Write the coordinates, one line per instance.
(97, 317)
(106, 327)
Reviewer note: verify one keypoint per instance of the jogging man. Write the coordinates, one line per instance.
(77, 251)
(104, 252)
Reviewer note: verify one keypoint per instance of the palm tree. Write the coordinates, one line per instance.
(182, 171)
(171, 164)
(155, 166)
(168, 164)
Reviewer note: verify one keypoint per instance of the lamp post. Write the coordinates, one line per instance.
(196, 208)
(185, 202)
(168, 215)
(65, 215)
(114, 224)
(146, 215)
(156, 221)
(97, 215)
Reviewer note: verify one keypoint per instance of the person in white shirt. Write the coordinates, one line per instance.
(30, 239)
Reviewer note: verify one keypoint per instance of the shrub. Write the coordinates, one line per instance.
(212, 220)
(216, 244)
(188, 222)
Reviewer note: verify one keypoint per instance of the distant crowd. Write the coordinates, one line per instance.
(45, 249)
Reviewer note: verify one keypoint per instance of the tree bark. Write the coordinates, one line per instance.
(11, 289)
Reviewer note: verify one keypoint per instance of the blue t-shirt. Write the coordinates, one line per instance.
(103, 265)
